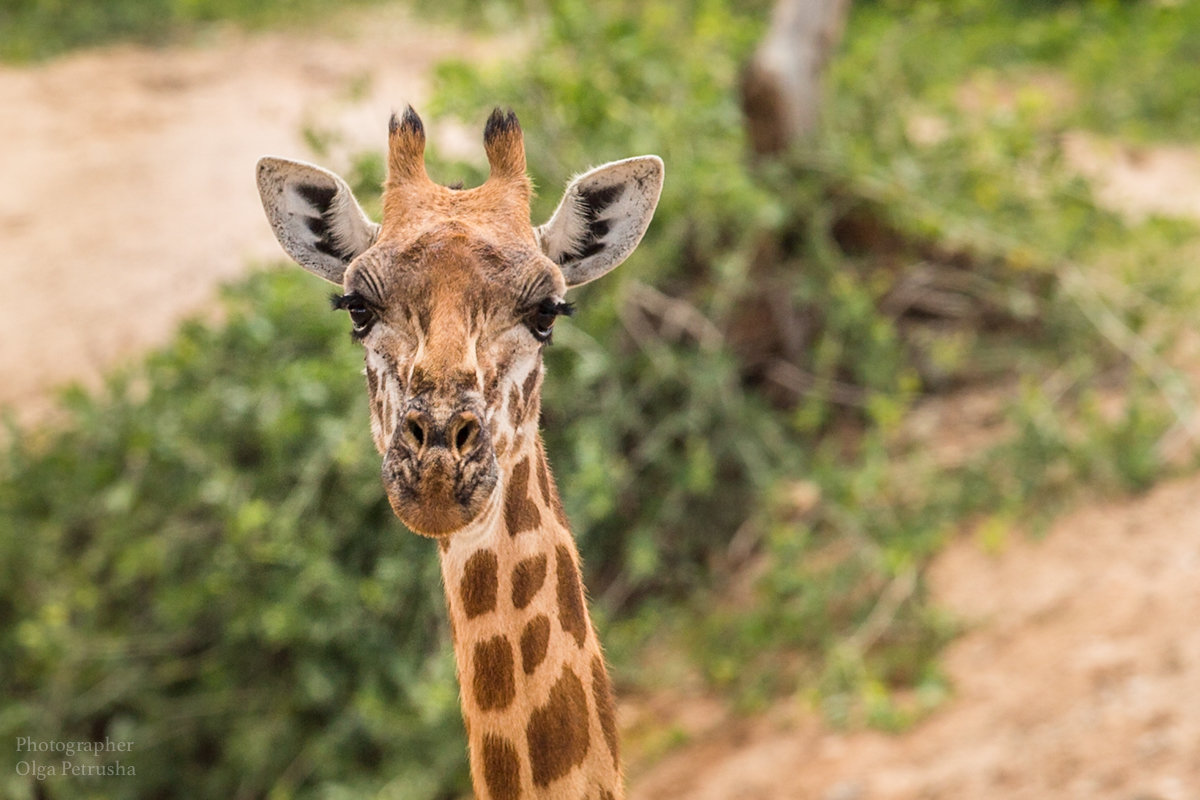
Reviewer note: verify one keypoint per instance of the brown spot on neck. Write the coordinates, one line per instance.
(501, 768)
(557, 732)
(534, 641)
(494, 682)
(479, 584)
(602, 697)
(520, 513)
(549, 491)
(572, 615)
(543, 476)
(527, 579)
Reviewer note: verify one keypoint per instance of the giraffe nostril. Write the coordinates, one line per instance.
(414, 426)
(461, 434)
(465, 432)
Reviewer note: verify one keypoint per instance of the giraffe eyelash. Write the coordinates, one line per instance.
(362, 314)
(559, 308)
(542, 316)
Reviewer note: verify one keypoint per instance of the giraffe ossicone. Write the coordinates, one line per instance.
(453, 295)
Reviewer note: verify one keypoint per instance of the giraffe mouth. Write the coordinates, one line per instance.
(436, 495)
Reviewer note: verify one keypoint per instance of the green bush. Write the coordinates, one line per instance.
(811, 302)
(652, 492)
(32, 29)
(202, 562)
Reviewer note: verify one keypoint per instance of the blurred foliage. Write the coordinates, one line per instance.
(201, 559)
(653, 493)
(1118, 61)
(931, 237)
(35, 29)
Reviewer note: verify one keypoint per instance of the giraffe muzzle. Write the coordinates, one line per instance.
(439, 470)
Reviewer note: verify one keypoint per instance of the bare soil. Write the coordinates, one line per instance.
(131, 196)
(130, 177)
(1078, 679)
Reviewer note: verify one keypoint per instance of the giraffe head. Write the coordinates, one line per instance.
(453, 296)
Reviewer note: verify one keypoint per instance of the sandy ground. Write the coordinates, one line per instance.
(1079, 679)
(130, 178)
(131, 195)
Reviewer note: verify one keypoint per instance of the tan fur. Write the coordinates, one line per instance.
(598, 769)
(497, 211)
(453, 282)
(456, 261)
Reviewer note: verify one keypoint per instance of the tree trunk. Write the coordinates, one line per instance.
(781, 88)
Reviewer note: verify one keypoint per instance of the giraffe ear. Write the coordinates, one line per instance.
(314, 215)
(602, 217)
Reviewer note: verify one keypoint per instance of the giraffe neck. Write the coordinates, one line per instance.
(533, 683)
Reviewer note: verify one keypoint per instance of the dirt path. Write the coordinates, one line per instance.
(1080, 679)
(130, 178)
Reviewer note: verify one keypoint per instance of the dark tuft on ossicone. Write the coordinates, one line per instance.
(409, 121)
(500, 123)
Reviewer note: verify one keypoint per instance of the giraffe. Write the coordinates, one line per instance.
(453, 297)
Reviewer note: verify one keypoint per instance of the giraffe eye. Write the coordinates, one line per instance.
(541, 322)
(361, 315)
